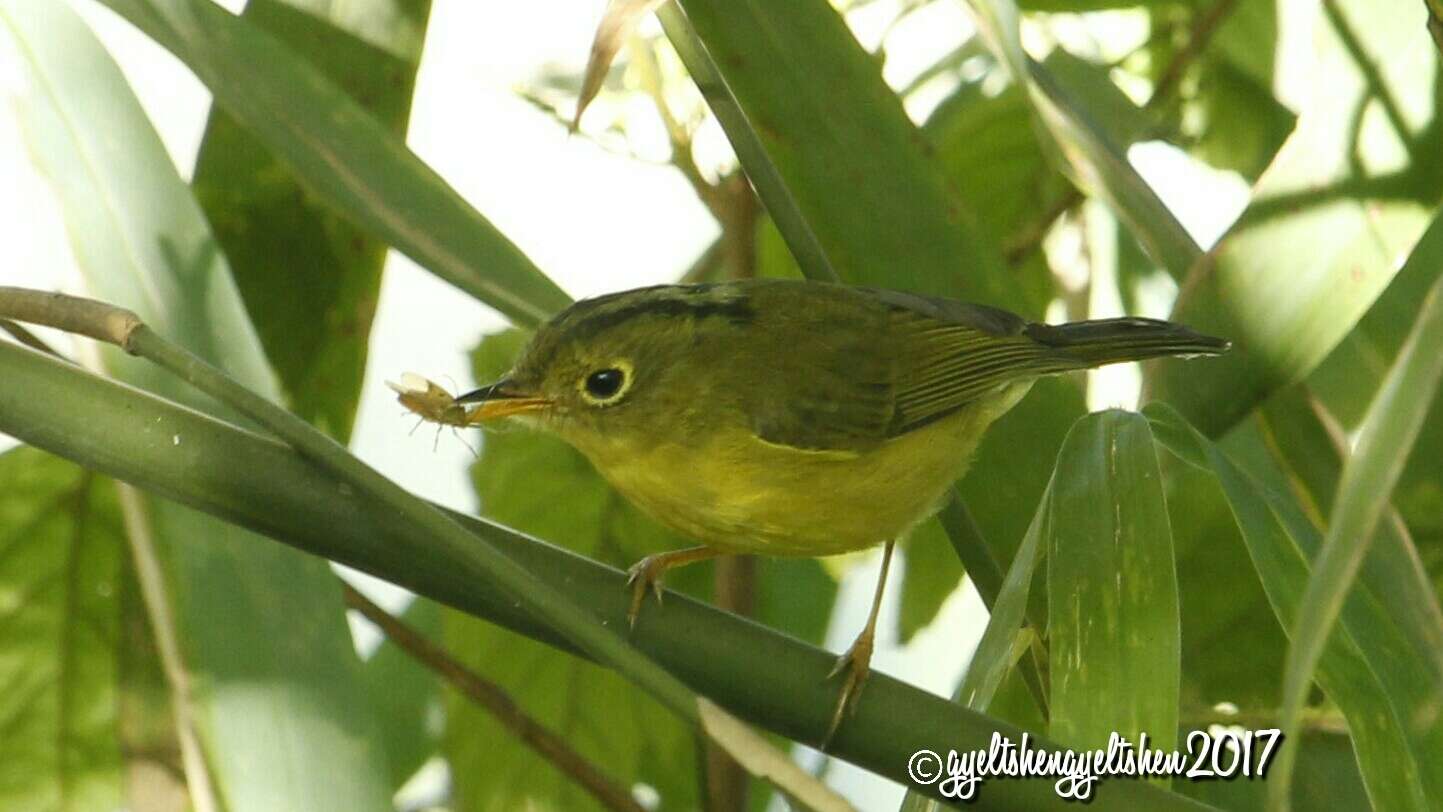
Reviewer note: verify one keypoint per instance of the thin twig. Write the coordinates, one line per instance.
(1369, 69)
(491, 697)
(1204, 26)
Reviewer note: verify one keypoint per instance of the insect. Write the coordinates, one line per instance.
(433, 404)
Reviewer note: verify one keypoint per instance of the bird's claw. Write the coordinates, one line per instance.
(639, 576)
(856, 663)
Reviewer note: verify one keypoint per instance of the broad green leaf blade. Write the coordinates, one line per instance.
(309, 278)
(806, 248)
(1329, 224)
(1383, 445)
(231, 601)
(861, 175)
(1095, 162)
(1360, 669)
(344, 156)
(986, 142)
(1112, 588)
(406, 697)
(1223, 607)
(61, 544)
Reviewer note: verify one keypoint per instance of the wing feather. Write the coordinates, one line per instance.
(899, 362)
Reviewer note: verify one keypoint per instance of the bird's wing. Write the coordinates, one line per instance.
(954, 353)
(832, 394)
(892, 369)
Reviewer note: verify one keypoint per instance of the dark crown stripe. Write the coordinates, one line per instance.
(594, 316)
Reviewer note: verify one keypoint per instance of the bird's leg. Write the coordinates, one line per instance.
(857, 661)
(648, 571)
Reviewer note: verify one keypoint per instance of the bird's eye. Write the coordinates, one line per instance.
(606, 386)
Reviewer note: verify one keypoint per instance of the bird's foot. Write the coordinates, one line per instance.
(857, 665)
(642, 575)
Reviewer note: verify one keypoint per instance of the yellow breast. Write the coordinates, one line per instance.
(741, 494)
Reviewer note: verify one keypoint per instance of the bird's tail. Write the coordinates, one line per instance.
(1084, 344)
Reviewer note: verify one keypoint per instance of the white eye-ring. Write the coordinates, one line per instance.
(607, 385)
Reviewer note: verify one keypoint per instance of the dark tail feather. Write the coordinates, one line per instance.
(1110, 341)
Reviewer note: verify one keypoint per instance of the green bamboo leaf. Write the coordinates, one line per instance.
(1347, 380)
(231, 603)
(1359, 669)
(1367, 481)
(807, 251)
(862, 177)
(344, 156)
(269, 487)
(1096, 163)
(1327, 227)
(313, 310)
(1112, 588)
(986, 146)
(995, 651)
(61, 543)
(1310, 453)
(1223, 610)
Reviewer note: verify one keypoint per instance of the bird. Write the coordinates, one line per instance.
(784, 417)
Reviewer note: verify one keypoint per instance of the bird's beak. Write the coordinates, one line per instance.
(500, 399)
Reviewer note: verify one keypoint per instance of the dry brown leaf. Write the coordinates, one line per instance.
(616, 25)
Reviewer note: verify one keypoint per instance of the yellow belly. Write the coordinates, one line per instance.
(744, 495)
